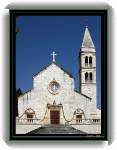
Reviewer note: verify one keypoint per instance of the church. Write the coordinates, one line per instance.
(53, 100)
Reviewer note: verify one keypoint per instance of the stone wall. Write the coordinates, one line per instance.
(89, 129)
(38, 98)
(91, 92)
(23, 129)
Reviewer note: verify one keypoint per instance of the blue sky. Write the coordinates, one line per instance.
(40, 35)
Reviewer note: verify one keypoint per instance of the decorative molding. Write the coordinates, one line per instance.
(54, 82)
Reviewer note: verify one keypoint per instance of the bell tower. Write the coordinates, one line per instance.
(88, 68)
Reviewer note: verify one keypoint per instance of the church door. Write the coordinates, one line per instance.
(55, 116)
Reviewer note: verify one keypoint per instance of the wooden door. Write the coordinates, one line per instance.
(55, 116)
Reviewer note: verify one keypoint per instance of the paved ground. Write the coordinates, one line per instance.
(56, 129)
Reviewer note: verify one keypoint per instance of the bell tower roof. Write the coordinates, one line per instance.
(87, 40)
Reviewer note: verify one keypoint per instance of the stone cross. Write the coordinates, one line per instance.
(53, 54)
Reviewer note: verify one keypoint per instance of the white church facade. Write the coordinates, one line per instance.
(53, 99)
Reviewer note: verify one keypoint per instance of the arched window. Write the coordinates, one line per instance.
(86, 76)
(90, 76)
(29, 117)
(86, 61)
(29, 114)
(90, 60)
(79, 115)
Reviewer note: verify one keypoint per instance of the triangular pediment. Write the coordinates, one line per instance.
(53, 64)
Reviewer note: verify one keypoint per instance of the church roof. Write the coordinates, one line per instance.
(83, 94)
(87, 40)
(56, 65)
(61, 69)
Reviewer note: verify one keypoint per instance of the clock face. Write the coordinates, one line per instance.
(54, 87)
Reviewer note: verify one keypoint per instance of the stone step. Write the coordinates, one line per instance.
(56, 129)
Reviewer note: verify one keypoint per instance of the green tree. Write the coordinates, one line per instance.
(17, 30)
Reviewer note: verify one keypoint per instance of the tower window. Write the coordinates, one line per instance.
(86, 76)
(90, 60)
(90, 75)
(86, 61)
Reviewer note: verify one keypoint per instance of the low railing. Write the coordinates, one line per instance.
(27, 121)
(86, 121)
(74, 121)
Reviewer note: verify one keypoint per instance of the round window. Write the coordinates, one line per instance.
(54, 87)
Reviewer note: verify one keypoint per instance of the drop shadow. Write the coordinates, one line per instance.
(111, 116)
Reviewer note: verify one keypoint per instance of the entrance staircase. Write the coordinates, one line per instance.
(56, 129)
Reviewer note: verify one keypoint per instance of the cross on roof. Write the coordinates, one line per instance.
(53, 54)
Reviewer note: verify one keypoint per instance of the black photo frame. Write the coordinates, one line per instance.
(13, 15)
